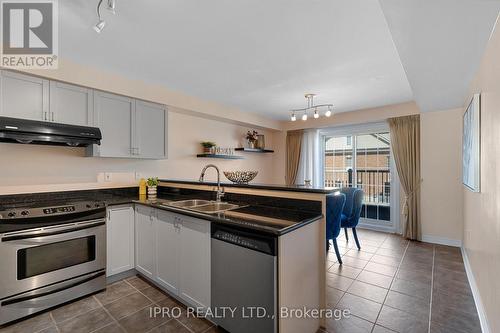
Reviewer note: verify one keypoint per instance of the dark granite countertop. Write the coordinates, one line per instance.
(276, 187)
(269, 220)
(257, 215)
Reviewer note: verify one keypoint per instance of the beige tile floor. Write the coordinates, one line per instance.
(391, 285)
(394, 285)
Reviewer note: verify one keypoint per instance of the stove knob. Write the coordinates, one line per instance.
(11, 214)
(97, 205)
(25, 212)
(88, 206)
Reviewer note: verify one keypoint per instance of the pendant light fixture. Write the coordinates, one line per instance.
(311, 107)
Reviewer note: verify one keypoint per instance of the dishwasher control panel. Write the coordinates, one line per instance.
(253, 242)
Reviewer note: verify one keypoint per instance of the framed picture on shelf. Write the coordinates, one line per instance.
(471, 145)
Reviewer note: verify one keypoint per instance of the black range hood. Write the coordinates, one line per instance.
(15, 130)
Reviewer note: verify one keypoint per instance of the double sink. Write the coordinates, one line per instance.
(202, 206)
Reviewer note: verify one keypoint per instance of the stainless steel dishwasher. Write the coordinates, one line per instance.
(244, 279)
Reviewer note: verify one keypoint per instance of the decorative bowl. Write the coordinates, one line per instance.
(240, 177)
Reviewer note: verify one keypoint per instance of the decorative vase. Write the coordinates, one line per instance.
(207, 150)
(152, 191)
(261, 141)
(251, 144)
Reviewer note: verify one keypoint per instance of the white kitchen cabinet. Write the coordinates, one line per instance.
(167, 250)
(120, 239)
(145, 240)
(70, 104)
(24, 96)
(130, 128)
(195, 261)
(150, 123)
(113, 115)
(183, 257)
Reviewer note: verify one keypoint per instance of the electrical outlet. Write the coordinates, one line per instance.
(107, 176)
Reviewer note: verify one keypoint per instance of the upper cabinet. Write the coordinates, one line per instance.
(113, 115)
(130, 128)
(24, 96)
(150, 124)
(70, 104)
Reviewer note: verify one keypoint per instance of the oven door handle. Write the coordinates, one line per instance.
(38, 236)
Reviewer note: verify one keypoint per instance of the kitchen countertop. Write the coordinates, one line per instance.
(259, 215)
(276, 187)
(268, 220)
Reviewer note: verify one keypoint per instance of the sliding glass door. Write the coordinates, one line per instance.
(363, 159)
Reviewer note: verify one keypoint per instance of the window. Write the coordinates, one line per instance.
(362, 158)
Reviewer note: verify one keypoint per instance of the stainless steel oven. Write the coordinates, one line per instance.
(52, 264)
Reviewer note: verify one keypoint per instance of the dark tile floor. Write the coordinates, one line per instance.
(123, 307)
(393, 285)
(390, 285)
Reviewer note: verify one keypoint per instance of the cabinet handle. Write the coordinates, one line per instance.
(45, 115)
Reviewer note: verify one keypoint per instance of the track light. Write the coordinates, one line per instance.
(99, 26)
(304, 116)
(111, 6)
(293, 118)
(328, 113)
(316, 114)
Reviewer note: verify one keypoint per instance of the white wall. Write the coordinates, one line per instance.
(441, 171)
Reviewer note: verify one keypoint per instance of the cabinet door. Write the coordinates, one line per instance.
(71, 104)
(195, 262)
(24, 96)
(144, 240)
(113, 115)
(167, 251)
(120, 240)
(150, 125)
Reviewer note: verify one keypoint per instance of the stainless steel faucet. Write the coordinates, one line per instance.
(220, 193)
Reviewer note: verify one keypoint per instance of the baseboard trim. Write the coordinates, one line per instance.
(475, 293)
(442, 240)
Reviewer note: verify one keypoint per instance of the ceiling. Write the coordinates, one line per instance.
(262, 56)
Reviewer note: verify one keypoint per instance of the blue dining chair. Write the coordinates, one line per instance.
(334, 206)
(352, 211)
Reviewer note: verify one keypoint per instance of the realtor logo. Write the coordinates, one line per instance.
(29, 34)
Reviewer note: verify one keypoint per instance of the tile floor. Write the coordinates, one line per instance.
(393, 285)
(123, 307)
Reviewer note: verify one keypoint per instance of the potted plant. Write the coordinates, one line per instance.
(207, 146)
(252, 137)
(152, 187)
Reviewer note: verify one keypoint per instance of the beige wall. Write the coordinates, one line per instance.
(482, 210)
(34, 168)
(441, 171)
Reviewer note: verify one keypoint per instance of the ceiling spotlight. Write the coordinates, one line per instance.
(304, 116)
(316, 114)
(293, 118)
(328, 113)
(99, 26)
(111, 6)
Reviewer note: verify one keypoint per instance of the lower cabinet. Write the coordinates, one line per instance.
(145, 218)
(183, 257)
(174, 251)
(120, 239)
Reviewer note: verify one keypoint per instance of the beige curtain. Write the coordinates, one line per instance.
(405, 141)
(293, 147)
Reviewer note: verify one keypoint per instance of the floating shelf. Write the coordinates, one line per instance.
(255, 150)
(227, 157)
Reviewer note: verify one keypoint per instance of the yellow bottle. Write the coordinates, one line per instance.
(142, 187)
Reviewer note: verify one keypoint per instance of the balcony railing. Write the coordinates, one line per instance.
(375, 183)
